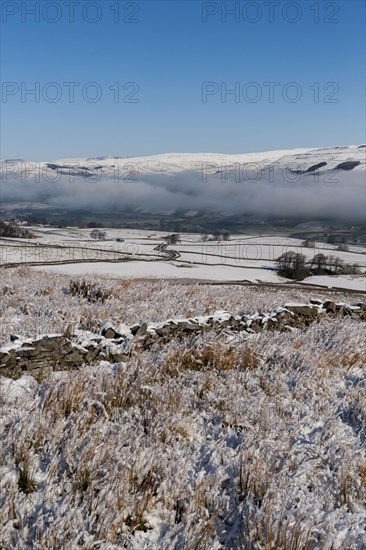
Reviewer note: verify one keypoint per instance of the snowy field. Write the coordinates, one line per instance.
(135, 254)
(214, 441)
(354, 282)
(167, 271)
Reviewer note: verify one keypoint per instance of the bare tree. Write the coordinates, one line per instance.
(285, 262)
(335, 265)
(174, 238)
(319, 263)
(292, 265)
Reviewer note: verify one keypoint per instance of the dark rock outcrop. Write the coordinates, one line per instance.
(348, 165)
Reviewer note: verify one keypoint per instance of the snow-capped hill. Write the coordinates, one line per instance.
(177, 162)
(328, 159)
(300, 161)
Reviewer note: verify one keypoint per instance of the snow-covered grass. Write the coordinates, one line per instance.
(216, 441)
(35, 303)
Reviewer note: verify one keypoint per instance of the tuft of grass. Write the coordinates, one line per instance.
(253, 480)
(123, 393)
(89, 291)
(83, 480)
(136, 522)
(362, 473)
(249, 358)
(341, 359)
(26, 482)
(201, 359)
(205, 387)
(65, 399)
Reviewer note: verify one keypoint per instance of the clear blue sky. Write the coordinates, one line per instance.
(169, 52)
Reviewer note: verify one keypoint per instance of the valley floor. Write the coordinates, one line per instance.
(131, 254)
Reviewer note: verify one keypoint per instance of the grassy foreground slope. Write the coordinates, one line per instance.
(214, 441)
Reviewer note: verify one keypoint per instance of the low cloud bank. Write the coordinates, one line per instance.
(340, 196)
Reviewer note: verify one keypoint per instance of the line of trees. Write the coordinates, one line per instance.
(8, 229)
(217, 236)
(98, 234)
(295, 266)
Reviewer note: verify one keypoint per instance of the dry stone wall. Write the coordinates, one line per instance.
(116, 344)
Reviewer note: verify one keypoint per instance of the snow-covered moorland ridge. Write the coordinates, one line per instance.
(214, 440)
(306, 159)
